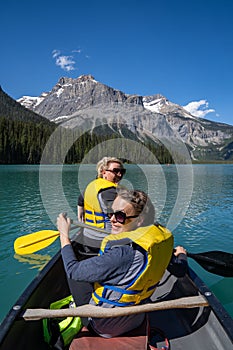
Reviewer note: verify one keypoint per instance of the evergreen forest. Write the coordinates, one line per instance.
(24, 142)
(28, 138)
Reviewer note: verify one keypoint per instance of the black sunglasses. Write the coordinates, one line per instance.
(120, 216)
(117, 170)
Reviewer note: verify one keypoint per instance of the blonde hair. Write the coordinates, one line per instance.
(103, 164)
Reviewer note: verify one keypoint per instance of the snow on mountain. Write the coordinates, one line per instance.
(32, 102)
(160, 104)
(73, 102)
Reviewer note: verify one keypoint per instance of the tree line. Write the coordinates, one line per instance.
(25, 142)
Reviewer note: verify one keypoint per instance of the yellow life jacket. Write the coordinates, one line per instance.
(93, 213)
(156, 244)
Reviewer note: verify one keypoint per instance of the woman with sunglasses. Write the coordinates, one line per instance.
(133, 258)
(95, 203)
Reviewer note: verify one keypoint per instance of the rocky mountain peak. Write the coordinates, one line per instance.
(83, 78)
(73, 102)
(70, 95)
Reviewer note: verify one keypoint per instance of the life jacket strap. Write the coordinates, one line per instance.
(111, 302)
(102, 217)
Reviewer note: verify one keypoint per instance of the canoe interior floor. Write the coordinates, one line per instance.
(196, 328)
(204, 332)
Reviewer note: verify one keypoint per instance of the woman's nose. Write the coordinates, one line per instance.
(113, 217)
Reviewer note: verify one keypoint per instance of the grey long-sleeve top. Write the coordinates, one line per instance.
(118, 264)
(110, 267)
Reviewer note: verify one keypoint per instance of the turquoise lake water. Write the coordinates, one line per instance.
(194, 201)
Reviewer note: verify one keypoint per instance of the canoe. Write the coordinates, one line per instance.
(201, 327)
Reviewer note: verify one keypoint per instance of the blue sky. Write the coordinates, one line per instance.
(181, 49)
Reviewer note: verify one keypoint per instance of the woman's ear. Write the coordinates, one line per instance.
(140, 221)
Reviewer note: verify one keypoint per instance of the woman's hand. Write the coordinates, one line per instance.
(179, 250)
(63, 225)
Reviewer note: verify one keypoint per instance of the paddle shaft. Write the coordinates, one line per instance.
(81, 224)
(219, 263)
(54, 234)
(36, 241)
(77, 224)
(93, 311)
(213, 265)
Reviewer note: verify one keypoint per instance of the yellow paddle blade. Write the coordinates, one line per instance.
(33, 242)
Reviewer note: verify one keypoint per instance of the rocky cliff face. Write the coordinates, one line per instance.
(84, 102)
(71, 95)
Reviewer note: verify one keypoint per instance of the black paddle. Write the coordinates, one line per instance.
(217, 262)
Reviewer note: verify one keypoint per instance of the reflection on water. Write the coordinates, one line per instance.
(37, 261)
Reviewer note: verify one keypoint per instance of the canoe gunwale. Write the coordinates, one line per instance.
(220, 312)
(17, 309)
(28, 298)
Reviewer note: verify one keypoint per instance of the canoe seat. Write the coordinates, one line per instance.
(136, 339)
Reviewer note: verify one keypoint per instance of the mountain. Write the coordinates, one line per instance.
(13, 110)
(23, 133)
(90, 105)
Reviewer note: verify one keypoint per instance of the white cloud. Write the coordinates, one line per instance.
(65, 62)
(56, 53)
(199, 108)
(77, 50)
